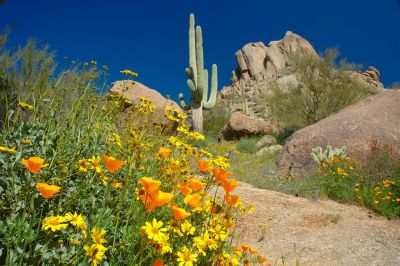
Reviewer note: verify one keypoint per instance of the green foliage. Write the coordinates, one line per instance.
(28, 75)
(374, 183)
(215, 120)
(198, 78)
(324, 88)
(247, 144)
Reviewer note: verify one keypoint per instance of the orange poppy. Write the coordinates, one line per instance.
(261, 259)
(112, 163)
(185, 190)
(229, 185)
(203, 165)
(34, 164)
(47, 191)
(196, 184)
(158, 262)
(160, 198)
(245, 247)
(252, 251)
(193, 200)
(164, 152)
(232, 200)
(155, 199)
(179, 213)
(149, 184)
(220, 175)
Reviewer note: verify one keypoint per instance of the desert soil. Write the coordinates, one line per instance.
(316, 232)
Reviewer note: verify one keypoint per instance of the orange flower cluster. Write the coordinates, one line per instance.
(151, 196)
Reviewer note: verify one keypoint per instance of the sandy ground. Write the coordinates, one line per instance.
(317, 232)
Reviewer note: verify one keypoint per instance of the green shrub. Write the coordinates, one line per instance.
(324, 88)
(374, 183)
(215, 119)
(247, 144)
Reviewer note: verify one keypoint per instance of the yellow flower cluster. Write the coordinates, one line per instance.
(129, 73)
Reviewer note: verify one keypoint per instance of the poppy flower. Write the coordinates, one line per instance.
(261, 259)
(160, 198)
(47, 191)
(232, 200)
(229, 185)
(203, 165)
(196, 184)
(112, 163)
(155, 199)
(220, 175)
(164, 152)
(158, 262)
(179, 213)
(252, 251)
(185, 190)
(149, 184)
(193, 200)
(34, 164)
(245, 247)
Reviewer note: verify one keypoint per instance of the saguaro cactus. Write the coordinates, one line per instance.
(198, 79)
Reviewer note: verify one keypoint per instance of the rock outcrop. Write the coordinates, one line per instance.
(240, 125)
(260, 66)
(133, 91)
(374, 119)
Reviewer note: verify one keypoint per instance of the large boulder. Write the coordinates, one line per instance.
(241, 125)
(133, 91)
(375, 119)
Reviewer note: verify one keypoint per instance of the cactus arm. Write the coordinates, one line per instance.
(199, 52)
(192, 48)
(205, 91)
(191, 86)
(214, 85)
(182, 102)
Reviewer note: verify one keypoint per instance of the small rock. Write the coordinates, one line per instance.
(269, 150)
(267, 140)
(241, 125)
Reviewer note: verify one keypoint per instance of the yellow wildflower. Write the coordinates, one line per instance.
(25, 141)
(25, 105)
(98, 236)
(8, 150)
(95, 252)
(154, 230)
(186, 257)
(188, 228)
(96, 163)
(75, 219)
(54, 223)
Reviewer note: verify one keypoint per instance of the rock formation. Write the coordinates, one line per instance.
(374, 119)
(259, 67)
(240, 125)
(133, 91)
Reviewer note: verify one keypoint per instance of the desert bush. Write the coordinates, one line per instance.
(324, 88)
(215, 119)
(75, 191)
(374, 183)
(247, 144)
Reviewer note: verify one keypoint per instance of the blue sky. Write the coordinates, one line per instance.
(150, 36)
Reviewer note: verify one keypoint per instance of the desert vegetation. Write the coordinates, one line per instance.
(325, 87)
(75, 190)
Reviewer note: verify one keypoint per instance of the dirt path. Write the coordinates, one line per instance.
(320, 232)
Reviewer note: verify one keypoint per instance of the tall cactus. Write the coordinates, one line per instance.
(198, 79)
